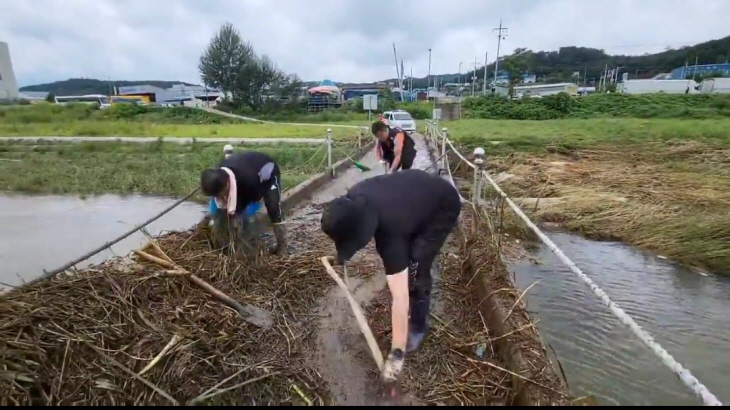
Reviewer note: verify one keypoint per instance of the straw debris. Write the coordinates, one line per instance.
(126, 333)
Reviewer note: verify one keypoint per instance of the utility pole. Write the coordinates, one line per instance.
(484, 85)
(474, 77)
(499, 31)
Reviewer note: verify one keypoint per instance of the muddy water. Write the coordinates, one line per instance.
(45, 232)
(343, 358)
(686, 312)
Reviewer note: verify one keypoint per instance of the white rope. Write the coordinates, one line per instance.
(708, 399)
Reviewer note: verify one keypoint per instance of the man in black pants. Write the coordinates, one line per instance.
(395, 146)
(244, 179)
(410, 214)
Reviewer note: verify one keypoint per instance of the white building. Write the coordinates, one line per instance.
(8, 83)
(539, 90)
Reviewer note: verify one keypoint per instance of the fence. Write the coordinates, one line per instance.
(483, 184)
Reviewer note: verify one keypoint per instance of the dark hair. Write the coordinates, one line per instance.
(212, 181)
(378, 126)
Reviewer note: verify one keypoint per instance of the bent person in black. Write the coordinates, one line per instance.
(410, 214)
(395, 146)
(255, 176)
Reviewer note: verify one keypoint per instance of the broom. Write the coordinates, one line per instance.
(362, 167)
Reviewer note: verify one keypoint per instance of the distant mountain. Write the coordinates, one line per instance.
(590, 62)
(82, 86)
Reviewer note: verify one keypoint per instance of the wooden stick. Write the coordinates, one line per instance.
(357, 311)
(251, 314)
(175, 339)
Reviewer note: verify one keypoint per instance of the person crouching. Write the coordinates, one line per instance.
(239, 184)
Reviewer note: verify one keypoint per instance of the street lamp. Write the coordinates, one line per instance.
(459, 77)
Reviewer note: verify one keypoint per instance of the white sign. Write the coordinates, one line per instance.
(370, 102)
(436, 114)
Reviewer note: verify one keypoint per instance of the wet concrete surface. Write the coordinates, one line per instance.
(343, 358)
(45, 232)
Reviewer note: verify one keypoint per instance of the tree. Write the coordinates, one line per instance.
(51, 98)
(251, 81)
(221, 62)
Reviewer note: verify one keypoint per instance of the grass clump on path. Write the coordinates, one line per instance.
(91, 168)
(662, 185)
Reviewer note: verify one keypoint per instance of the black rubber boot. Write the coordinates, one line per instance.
(419, 324)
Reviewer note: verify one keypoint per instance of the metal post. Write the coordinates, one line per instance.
(329, 153)
(476, 189)
(443, 141)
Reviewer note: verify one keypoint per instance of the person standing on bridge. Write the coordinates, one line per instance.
(410, 214)
(395, 147)
(240, 182)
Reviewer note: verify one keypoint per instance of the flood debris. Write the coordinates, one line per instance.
(138, 333)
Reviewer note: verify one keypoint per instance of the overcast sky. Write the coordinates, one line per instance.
(341, 40)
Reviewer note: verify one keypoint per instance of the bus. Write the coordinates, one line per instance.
(100, 99)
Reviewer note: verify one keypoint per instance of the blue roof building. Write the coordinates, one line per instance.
(706, 69)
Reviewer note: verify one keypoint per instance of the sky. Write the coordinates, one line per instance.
(340, 40)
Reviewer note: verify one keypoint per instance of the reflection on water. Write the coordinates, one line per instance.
(687, 313)
(45, 232)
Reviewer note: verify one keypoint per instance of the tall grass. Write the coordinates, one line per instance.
(123, 168)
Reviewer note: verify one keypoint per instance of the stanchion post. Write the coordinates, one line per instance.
(477, 188)
(444, 136)
(329, 153)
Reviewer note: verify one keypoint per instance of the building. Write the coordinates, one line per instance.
(539, 90)
(704, 70)
(8, 83)
(178, 94)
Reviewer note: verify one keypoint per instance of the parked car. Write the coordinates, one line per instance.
(401, 119)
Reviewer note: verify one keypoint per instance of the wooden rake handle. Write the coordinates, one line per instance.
(357, 311)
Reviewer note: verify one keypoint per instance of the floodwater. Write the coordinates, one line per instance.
(46, 232)
(686, 312)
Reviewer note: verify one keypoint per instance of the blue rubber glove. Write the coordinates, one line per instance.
(212, 207)
(252, 209)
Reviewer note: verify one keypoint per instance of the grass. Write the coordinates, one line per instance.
(169, 169)
(126, 120)
(657, 184)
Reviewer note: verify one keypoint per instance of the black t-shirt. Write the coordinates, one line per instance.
(247, 167)
(399, 205)
(409, 146)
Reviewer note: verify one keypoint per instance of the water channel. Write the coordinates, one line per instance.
(45, 232)
(686, 312)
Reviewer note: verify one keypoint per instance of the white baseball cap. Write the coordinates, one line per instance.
(228, 148)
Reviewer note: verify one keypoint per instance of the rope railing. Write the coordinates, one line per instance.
(440, 137)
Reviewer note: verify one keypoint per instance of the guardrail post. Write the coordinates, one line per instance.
(444, 136)
(360, 136)
(476, 191)
(330, 170)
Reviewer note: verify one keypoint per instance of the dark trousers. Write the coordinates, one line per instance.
(272, 197)
(423, 251)
(406, 161)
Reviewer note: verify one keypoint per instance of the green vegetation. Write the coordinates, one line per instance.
(147, 168)
(696, 106)
(657, 184)
(145, 121)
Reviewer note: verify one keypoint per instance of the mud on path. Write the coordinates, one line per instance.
(342, 356)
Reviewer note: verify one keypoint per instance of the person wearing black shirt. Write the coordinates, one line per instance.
(395, 146)
(255, 176)
(410, 214)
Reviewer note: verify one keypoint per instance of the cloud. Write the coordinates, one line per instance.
(342, 40)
